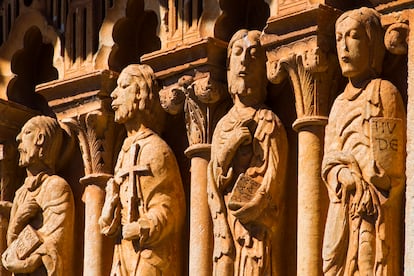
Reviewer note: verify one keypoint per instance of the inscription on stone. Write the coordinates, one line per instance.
(244, 190)
(387, 144)
(26, 243)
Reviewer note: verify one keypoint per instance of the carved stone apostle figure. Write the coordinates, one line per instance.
(144, 206)
(40, 233)
(363, 164)
(247, 168)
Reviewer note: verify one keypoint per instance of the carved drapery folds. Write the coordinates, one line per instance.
(12, 118)
(40, 236)
(70, 50)
(363, 164)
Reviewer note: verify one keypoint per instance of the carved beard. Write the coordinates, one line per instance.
(125, 112)
(237, 86)
(27, 155)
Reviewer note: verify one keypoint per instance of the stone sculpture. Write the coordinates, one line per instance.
(40, 233)
(363, 164)
(144, 205)
(247, 168)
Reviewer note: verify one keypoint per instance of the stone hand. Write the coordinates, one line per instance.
(347, 180)
(111, 202)
(12, 263)
(137, 230)
(241, 136)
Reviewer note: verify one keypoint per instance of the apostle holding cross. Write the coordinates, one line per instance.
(144, 205)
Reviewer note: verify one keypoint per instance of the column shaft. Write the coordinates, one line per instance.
(312, 201)
(201, 233)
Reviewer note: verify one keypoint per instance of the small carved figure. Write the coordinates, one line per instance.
(40, 233)
(247, 168)
(144, 205)
(363, 164)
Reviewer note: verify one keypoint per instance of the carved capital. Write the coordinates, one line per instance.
(98, 137)
(201, 99)
(313, 73)
(396, 38)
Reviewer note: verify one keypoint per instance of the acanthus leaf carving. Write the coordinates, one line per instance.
(199, 98)
(96, 135)
(312, 73)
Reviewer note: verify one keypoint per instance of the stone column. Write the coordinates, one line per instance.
(94, 197)
(201, 235)
(96, 134)
(312, 73)
(409, 194)
(200, 98)
(311, 195)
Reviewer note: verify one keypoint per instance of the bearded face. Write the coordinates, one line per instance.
(28, 148)
(124, 98)
(246, 67)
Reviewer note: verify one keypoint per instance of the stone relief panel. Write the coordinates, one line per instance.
(363, 164)
(247, 168)
(144, 207)
(40, 233)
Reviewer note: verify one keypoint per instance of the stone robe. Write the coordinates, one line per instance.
(156, 194)
(246, 240)
(46, 203)
(376, 201)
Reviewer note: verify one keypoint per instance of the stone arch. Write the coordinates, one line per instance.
(32, 65)
(128, 31)
(31, 55)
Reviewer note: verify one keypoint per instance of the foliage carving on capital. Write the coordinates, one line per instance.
(200, 98)
(312, 71)
(97, 135)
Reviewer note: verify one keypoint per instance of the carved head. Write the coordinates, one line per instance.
(136, 95)
(360, 43)
(40, 141)
(246, 66)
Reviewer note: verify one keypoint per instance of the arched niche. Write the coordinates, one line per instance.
(32, 65)
(240, 14)
(129, 30)
(30, 56)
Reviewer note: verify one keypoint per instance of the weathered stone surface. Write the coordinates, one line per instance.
(144, 203)
(366, 130)
(62, 59)
(40, 233)
(249, 151)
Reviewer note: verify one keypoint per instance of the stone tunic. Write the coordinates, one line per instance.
(46, 203)
(155, 194)
(376, 201)
(245, 240)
